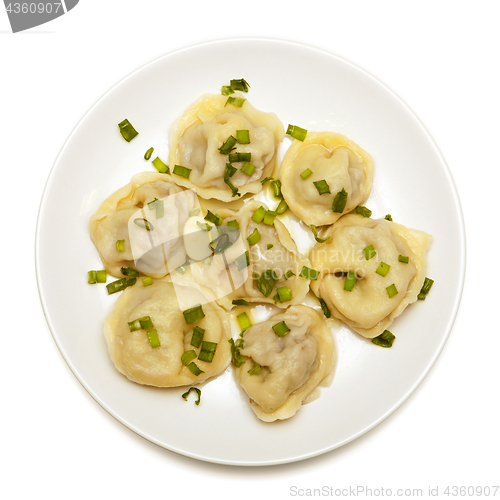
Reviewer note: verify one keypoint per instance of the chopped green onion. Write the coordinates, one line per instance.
(148, 153)
(131, 281)
(244, 321)
(240, 343)
(204, 226)
(255, 370)
(235, 354)
(263, 181)
(241, 302)
(129, 271)
(324, 308)
(146, 322)
(289, 274)
(254, 237)
(316, 237)
(240, 84)
(385, 339)
(236, 157)
(101, 276)
(147, 281)
(248, 168)
(127, 130)
(269, 246)
(425, 288)
(280, 329)
(383, 269)
(226, 90)
(369, 252)
(144, 223)
(243, 136)
(235, 101)
(388, 217)
(259, 214)
(117, 286)
(160, 166)
(404, 259)
(134, 325)
(193, 314)
(269, 218)
(233, 223)
(350, 281)
(92, 277)
(296, 132)
(265, 282)
(391, 290)
(281, 208)
(120, 245)
(153, 338)
(339, 202)
(194, 212)
(242, 261)
(309, 274)
(213, 218)
(228, 146)
(207, 351)
(193, 368)
(276, 187)
(197, 337)
(182, 171)
(198, 392)
(306, 173)
(158, 206)
(230, 170)
(322, 186)
(222, 243)
(365, 212)
(284, 293)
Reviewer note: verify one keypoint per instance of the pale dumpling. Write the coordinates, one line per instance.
(152, 240)
(206, 125)
(384, 285)
(333, 159)
(290, 366)
(132, 352)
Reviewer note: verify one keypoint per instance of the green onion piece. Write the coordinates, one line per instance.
(263, 181)
(92, 277)
(120, 245)
(193, 314)
(147, 281)
(236, 157)
(153, 338)
(425, 288)
(324, 308)
(391, 290)
(306, 173)
(276, 187)
(259, 214)
(131, 281)
(316, 237)
(213, 218)
(235, 101)
(383, 269)
(148, 153)
(240, 343)
(193, 368)
(339, 202)
(365, 212)
(369, 252)
(194, 212)
(198, 392)
(116, 286)
(265, 282)
(284, 293)
(309, 274)
(226, 90)
(280, 329)
(127, 130)
(322, 187)
(248, 168)
(244, 321)
(188, 356)
(241, 302)
(160, 166)
(269, 218)
(388, 217)
(269, 246)
(101, 276)
(158, 206)
(243, 136)
(146, 322)
(242, 261)
(296, 132)
(281, 208)
(222, 243)
(144, 223)
(134, 325)
(235, 354)
(182, 171)
(233, 223)
(228, 146)
(182, 269)
(230, 171)
(254, 237)
(207, 351)
(255, 370)
(128, 271)
(385, 339)
(204, 226)
(350, 281)
(197, 337)
(404, 259)
(240, 84)
(289, 274)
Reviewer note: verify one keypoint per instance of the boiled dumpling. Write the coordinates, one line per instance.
(207, 124)
(134, 355)
(369, 256)
(152, 239)
(289, 367)
(338, 165)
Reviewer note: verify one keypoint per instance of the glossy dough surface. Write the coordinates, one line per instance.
(368, 309)
(331, 157)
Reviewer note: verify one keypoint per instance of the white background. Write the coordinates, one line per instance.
(441, 57)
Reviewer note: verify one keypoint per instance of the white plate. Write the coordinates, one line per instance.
(305, 86)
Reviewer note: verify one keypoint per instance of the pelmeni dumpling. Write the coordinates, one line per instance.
(153, 241)
(132, 352)
(334, 159)
(376, 250)
(206, 125)
(291, 366)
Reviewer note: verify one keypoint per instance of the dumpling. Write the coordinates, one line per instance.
(133, 353)
(152, 239)
(338, 166)
(383, 285)
(207, 124)
(289, 367)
